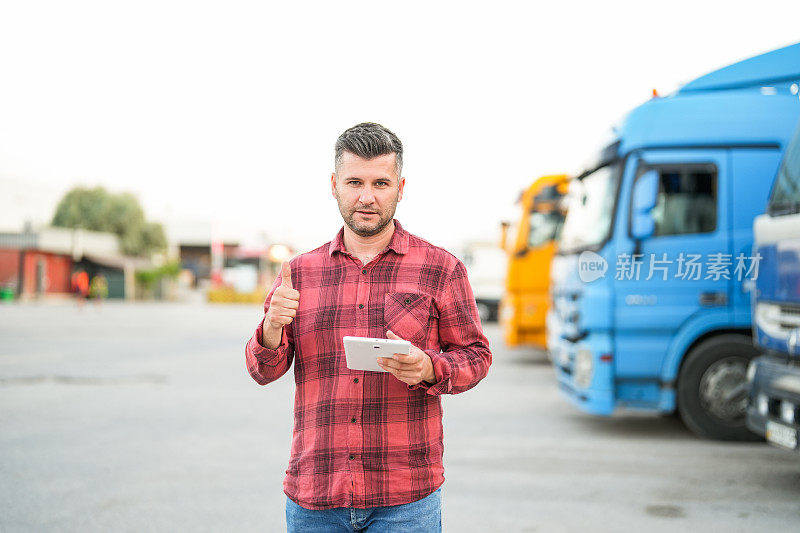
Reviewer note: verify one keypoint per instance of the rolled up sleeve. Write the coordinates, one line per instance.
(465, 357)
(266, 365)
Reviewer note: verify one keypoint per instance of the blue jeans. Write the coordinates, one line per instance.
(422, 516)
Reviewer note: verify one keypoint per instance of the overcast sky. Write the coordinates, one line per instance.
(227, 112)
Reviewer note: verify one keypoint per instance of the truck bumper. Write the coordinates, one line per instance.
(593, 394)
(522, 316)
(774, 393)
(596, 402)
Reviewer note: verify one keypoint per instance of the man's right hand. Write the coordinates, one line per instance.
(282, 308)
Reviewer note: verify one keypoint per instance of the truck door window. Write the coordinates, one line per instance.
(686, 201)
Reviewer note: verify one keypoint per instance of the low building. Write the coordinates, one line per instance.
(40, 263)
(197, 257)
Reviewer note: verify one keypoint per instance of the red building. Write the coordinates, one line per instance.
(35, 264)
(40, 272)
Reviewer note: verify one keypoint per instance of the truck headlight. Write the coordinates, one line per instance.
(563, 357)
(787, 412)
(762, 405)
(584, 368)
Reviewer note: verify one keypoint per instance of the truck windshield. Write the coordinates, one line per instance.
(544, 227)
(590, 209)
(785, 198)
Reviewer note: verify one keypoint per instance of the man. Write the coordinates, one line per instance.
(367, 446)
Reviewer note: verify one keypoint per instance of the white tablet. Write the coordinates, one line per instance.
(362, 352)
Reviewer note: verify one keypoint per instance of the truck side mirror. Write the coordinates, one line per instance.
(645, 191)
(504, 234)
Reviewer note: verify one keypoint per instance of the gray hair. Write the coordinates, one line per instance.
(369, 140)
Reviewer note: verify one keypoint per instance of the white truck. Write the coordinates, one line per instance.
(486, 269)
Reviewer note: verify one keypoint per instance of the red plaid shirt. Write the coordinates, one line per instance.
(366, 439)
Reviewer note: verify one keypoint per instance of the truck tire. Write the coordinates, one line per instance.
(712, 388)
(484, 312)
(487, 310)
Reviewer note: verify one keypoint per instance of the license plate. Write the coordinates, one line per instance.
(783, 436)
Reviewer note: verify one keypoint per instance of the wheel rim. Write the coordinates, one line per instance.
(723, 389)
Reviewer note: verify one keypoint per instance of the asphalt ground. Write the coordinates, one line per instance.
(142, 417)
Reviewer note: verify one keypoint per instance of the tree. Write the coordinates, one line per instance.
(96, 209)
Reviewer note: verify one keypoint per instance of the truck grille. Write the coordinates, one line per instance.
(777, 319)
(789, 317)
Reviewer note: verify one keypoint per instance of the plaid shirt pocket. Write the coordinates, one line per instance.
(408, 315)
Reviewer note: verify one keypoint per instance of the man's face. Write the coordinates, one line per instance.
(367, 191)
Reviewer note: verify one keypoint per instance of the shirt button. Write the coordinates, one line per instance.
(355, 380)
(408, 301)
(352, 457)
(361, 306)
(364, 271)
(353, 420)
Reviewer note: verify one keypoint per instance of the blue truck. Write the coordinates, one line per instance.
(651, 309)
(774, 377)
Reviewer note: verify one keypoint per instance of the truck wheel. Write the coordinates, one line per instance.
(484, 311)
(712, 388)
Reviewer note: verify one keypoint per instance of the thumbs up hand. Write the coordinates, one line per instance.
(284, 303)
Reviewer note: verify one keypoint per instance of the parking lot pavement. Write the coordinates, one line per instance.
(140, 417)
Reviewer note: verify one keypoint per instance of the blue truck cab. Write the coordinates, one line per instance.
(649, 286)
(774, 378)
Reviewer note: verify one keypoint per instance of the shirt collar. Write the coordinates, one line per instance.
(398, 242)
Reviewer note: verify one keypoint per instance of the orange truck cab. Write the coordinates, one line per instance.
(530, 246)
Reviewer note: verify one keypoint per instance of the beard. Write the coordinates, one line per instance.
(364, 228)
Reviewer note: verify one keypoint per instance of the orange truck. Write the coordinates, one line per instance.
(530, 245)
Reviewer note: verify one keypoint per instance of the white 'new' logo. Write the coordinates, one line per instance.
(591, 267)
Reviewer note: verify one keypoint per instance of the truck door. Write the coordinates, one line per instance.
(681, 270)
(752, 170)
